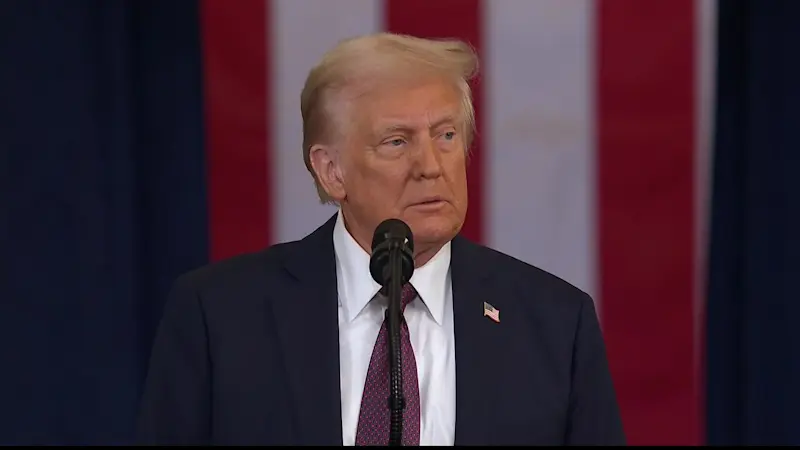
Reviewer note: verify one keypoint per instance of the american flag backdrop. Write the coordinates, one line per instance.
(591, 159)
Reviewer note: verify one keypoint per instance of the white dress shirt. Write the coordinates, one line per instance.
(430, 323)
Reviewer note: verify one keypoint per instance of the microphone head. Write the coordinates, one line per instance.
(391, 233)
(392, 229)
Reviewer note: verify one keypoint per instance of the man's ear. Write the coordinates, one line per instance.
(326, 164)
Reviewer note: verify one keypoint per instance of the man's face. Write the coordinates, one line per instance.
(405, 158)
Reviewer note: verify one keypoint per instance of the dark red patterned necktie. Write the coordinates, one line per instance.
(373, 420)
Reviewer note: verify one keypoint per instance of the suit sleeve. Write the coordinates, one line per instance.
(174, 407)
(594, 416)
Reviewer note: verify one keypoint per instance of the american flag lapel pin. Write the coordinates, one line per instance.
(491, 312)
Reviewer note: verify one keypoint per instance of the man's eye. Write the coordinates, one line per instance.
(396, 142)
(450, 135)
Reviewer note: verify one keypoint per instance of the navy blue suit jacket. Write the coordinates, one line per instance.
(247, 352)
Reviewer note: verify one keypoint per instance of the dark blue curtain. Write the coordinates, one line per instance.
(102, 202)
(753, 352)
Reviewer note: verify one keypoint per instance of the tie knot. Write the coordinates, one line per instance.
(406, 295)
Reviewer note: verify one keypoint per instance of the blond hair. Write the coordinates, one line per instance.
(351, 62)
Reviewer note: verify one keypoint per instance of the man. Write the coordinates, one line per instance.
(287, 345)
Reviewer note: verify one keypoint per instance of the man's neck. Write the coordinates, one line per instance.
(425, 254)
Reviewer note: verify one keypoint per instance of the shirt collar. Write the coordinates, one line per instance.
(356, 286)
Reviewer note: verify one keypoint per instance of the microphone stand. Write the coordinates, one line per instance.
(394, 313)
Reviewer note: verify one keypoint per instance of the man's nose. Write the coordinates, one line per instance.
(428, 159)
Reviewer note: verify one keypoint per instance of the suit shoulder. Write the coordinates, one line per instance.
(236, 271)
(530, 277)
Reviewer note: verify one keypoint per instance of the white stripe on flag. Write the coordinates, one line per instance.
(705, 57)
(539, 124)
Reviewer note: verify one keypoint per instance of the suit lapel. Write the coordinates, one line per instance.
(306, 319)
(478, 344)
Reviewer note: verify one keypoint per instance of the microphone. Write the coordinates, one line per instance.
(391, 265)
(391, 234)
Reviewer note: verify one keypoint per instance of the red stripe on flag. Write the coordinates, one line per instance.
(236, 59)
(435, 19)
(646, 213)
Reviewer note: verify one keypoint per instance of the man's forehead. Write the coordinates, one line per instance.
(389, 121)
(409, 103)
(399, 89)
